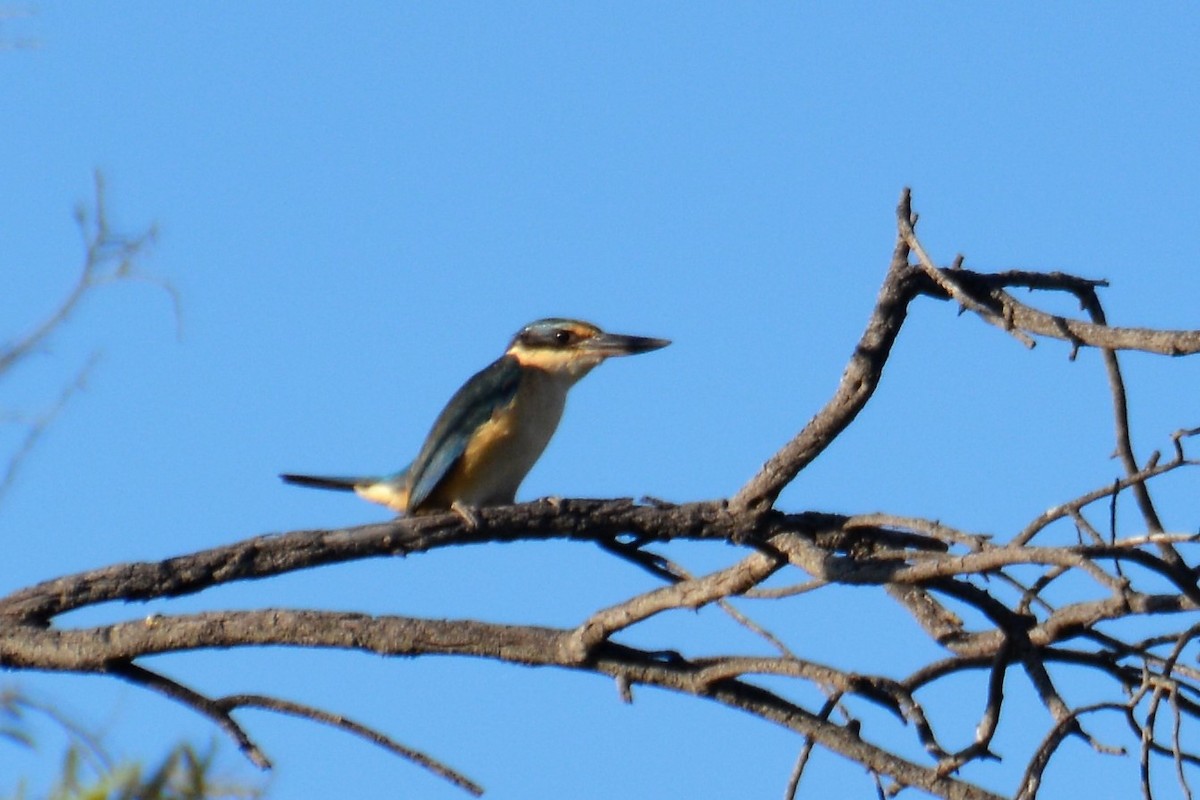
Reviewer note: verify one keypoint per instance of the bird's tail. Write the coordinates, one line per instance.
(389, 490)
(327, 481)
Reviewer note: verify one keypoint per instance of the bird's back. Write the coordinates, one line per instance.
(503, 448)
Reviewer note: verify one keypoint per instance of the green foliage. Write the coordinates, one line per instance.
(89, 773)
(184, 774)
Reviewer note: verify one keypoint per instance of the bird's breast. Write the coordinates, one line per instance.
(505, 448)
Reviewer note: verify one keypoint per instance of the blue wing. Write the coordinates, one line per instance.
(489, 390)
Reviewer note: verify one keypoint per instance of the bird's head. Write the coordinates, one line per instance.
(571, 348)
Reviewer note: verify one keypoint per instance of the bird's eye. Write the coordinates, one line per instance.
(562, 337)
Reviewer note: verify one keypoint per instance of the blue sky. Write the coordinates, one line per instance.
(360, 204)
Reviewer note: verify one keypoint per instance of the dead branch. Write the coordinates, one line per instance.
(108, 257)
(1008, 605)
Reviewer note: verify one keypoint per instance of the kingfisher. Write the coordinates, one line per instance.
(496, 426)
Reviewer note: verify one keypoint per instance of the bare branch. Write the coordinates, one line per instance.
(98, 648)
(233, 702)
(856, 387)
(987, 289)
(38, 427)
(193, 699)
(109, 257)
(1032, 780)
(793, 784)
(945, 280)
(692, 593)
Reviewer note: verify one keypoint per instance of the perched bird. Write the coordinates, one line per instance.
(496, 426)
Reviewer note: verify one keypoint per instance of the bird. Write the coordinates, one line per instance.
(497, 425)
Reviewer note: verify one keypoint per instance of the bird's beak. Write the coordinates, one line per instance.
(615, 344)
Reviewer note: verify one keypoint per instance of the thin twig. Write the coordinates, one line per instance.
(1031, 781)
(945, 279)
(234, 702)
(102, 247)
(193, 699)
(38, 427)
(692, 593)
(793, 784)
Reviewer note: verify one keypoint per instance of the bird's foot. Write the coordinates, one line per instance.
(468, 515)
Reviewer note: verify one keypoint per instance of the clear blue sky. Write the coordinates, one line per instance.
(360, 203)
